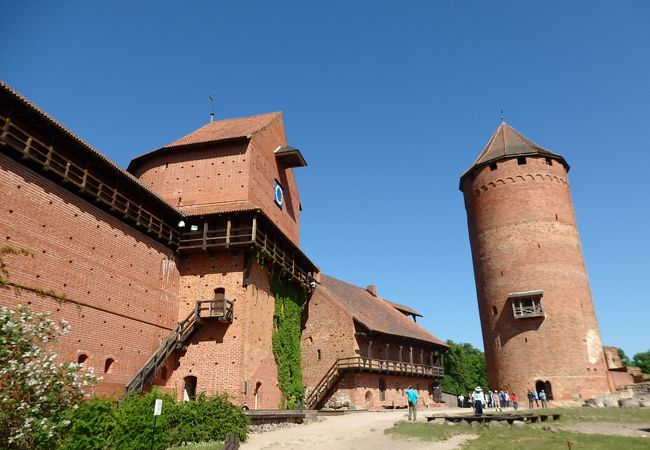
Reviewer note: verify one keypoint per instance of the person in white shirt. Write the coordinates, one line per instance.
(479, 400)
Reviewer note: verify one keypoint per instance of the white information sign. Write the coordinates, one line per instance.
(157, 410)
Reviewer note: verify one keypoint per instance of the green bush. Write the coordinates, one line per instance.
(128, 424)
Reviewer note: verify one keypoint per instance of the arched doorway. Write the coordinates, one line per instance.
(548, 389)
(382, 389)
(256, 393)
(368, 399)
(189, 388)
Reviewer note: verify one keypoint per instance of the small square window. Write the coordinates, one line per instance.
(493, 166)
(521, 160)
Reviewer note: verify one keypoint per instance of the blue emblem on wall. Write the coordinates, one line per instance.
(278, 194)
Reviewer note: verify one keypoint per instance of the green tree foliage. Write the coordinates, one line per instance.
(287, 321)
(624, 359)
(464, 368)
(129, 424)
(642, 361)
(35, 389)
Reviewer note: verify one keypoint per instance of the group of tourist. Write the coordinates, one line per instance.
(499, 400)
(534, 399)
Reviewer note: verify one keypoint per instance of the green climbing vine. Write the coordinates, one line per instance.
(17, 287)
(287, 320)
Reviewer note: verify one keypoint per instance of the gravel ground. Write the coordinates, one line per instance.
(358, 431)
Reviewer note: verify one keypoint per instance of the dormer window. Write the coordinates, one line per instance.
(527, 304)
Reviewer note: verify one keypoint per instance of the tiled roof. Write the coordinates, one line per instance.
(216, 208)
(506, 143)
(226, 129)
(372, 312)
(220, 130)
(403, 308)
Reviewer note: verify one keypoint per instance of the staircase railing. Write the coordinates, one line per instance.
(315, 397)
(318, 395)
(221, 309)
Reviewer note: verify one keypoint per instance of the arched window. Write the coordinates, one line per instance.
(82, 358)
(219, 293)
(108, 364)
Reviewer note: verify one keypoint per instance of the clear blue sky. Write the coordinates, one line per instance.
(389, 102)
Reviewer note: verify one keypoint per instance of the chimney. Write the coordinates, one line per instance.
(372, 289)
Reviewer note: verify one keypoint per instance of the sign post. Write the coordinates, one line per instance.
(157, 410)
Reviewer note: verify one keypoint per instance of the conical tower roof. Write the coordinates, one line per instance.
(508, 143)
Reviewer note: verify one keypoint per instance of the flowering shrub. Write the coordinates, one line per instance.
(35, 389)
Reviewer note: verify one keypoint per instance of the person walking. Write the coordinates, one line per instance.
(542, 397)
(495, 401)
(530, 399)
(507, 397)
(479, 400)
(412, 397)
(461, 401)
(515, 401)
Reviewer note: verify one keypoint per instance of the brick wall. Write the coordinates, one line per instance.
(227, 358)
(264, 172)
(328, 329)
(200, 175)
(523, 237)
(363, 390)
(124, 282)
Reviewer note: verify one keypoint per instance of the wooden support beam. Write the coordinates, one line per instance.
(254, 231)
(228, 228)
(204, 245)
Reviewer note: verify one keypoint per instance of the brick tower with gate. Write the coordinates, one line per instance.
(537, 316)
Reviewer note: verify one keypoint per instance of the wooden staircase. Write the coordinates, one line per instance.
(222, 310)
(317, 398)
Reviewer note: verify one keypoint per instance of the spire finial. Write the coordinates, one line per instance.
(503, 122)
(211, 100)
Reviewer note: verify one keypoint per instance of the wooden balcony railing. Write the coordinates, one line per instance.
(269, 247)
(389, 367)
(318, 396)
(222, 309)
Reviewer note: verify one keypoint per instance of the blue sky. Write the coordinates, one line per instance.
(389, 102)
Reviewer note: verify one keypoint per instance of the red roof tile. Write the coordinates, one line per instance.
(221, 207)
(220, 130)
(372, 312)
(226, 129)
(506, 143)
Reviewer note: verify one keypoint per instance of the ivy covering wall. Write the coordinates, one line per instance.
(287, 320)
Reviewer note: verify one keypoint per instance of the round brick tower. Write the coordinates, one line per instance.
(537, 317)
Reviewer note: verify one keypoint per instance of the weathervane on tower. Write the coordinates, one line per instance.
(211, 100)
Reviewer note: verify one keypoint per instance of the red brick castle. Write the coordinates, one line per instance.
(166, 270)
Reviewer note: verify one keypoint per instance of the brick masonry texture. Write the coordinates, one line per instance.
(523, 237)
(228, 172)
(124, 282)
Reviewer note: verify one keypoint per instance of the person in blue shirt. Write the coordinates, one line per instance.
(412, 397)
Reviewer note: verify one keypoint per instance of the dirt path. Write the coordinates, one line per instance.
(358, 431)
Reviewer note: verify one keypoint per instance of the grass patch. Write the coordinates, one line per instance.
(429, 432)
(533, 436)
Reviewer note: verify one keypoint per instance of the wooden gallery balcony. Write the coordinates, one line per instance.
(361, 364)
(251, 232)
(221, 310)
